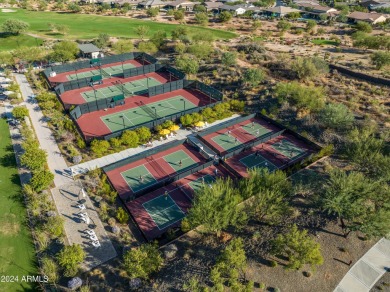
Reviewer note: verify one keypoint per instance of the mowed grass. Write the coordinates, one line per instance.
(11, 42)
(17, 256)
(324, 42)
(82, 26)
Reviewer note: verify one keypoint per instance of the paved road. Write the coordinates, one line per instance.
(56, 162)
(368, 269)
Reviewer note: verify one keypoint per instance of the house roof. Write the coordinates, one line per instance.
(365, 16)
(182, 2)
(213, 4)
(281, 9)
(153, 3)
(231, 7)
(88, 48)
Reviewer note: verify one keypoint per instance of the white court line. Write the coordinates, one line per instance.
(264, 161)
(155, 181)
(158, 212)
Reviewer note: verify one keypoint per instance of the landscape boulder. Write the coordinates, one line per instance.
(75, 283)
(170, 251)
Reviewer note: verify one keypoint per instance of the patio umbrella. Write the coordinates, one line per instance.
(164, 132)
(174, 128)
(199, 124)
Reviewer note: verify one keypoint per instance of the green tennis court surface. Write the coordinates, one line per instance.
(226, 141)
(136, 87)
(200, 182)
(253, 161)
(134, 180)
(174, 159)
(163, 211)
(287, 148)
(143, 114)
(113, 70)
(255, 129)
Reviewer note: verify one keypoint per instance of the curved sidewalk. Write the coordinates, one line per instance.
(368, 269)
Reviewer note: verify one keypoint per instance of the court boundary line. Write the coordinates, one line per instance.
(297, 147)
(138, 107)
(155, 181)
(241, 143)
(180, 150)
(174, 204)
(266, 160)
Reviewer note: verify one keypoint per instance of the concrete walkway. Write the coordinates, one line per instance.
(55, 160)
(109, 159)
(368, 269)
(66, 193)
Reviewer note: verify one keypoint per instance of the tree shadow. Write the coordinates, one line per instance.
(8, 160)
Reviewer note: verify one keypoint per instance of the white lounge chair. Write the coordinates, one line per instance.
(93, 238)
(90, 232)
(96, 243)
(81, 206)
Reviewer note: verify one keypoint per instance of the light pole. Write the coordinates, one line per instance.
(123, 121)
(184, 103)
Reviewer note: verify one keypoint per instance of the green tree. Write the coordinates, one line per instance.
(299, 248)
(343, 195)
(293, 15)
(50, 269)
(200, 50)
(142, 261)
(74, 7)
(102, 40)
(122, 216)
(20, 112)
(70, 258)
(130, 139)
(310, 25)
(100, 147)
(215, 207)
(34, 159)
(363, 26)
(187, 64)
(253, 76)
(380, 59)
(309, 68)
(303, 97)
(152, 12)
(55, 226)
(123, 46)
(147, 47)
(283, 25)
(180, 48)
(142, 31)
(41, 180)
(178, 14)
(204, 37)
(62, 29)
(186, 120)
(225, 16)
(158, 38)
(179, 32)
(336, 116)
(202, 18)
(199, 8)
(144, 134)
(14, 26)
(65, 51)
(6, 59)
(231, 265)
(229, 59)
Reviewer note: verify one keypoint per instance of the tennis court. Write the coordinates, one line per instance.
(200, 182)
(179, 160)
(255, 129)
(164, 211)
(138, 178)
(136, 87)
(146, 113)
(287, 148)
(257, 161)
(226, 141)
(112, 70)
